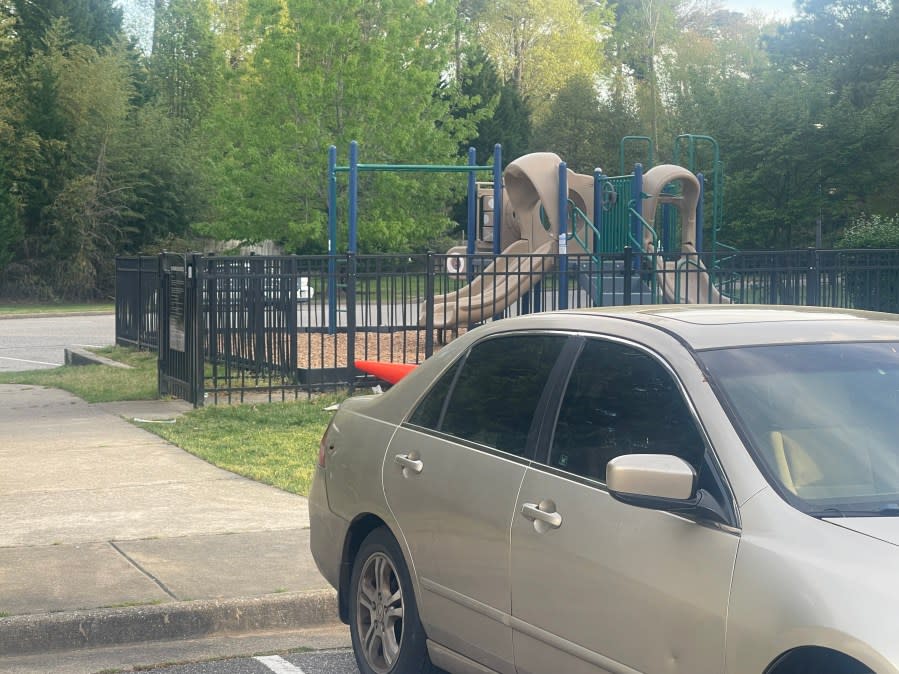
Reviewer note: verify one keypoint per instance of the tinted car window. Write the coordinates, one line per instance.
(620, 400)
(496, 393)
(430, 409)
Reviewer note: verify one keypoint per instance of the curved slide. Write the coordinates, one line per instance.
(502, 283)
(686, 280)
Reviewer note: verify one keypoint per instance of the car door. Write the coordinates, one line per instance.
(451, 478)
(600, 586)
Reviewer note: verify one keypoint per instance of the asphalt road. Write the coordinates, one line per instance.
(39, 343)
(326, 662)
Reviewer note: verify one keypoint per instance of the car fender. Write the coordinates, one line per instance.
(801, 581)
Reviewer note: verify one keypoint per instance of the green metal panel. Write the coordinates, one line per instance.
(616, 214)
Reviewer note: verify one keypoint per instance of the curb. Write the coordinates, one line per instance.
(75, 355)
(30, 634)
(55, 314)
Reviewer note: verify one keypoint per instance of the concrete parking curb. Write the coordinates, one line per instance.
(32, 634)
(75, 355)
(56, 314)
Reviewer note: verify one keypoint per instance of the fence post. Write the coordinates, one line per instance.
(813, 278)
(429, 304)
(351, 318)
(195, 315)
(162, 334)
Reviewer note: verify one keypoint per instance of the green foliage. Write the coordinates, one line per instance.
(223, 129)
(322, 75)
(501, 114)
(871, 231)
(185, 67)
(878, 291)
(541, 44)
(92, 22)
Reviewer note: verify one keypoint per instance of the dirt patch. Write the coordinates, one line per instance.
(320, 350)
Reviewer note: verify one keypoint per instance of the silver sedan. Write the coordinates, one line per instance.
(667, 489)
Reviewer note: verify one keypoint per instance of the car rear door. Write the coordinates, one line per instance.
(451, 478)
(599, 586)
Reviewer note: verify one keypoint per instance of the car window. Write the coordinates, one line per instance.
(620, 400)
(430, 409)
(496, 393)
(819, 418)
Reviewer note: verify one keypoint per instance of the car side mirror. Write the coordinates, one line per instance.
(660, 482)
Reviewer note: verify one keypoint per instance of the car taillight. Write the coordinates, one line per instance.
(321, 450)
(323, 446)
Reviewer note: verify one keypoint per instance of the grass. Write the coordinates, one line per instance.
(12, 309)
(274, 443)
(98, 383)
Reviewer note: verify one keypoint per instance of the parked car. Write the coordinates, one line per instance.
(660, 489)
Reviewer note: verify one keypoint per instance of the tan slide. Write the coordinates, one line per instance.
(686, 280)
(502, 283)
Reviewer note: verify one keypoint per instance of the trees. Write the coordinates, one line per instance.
(322, 75)
(541, 44)
(97, 23)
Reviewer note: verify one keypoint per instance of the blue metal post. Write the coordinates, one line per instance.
(472, 202)
(354, 195)
(472, 214)
(563, 235)
(699, 214)
(332, 239)
(497, 198)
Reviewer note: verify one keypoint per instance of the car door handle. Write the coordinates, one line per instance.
(534, 513)
(408, 463)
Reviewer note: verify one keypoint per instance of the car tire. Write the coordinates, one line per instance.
(384, 625)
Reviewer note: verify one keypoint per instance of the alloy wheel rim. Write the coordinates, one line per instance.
(379, 618)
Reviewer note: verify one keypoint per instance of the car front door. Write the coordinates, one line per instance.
(600, 586)
(451, 478)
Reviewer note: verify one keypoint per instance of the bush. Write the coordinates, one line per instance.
(871, 231)
(871, 276)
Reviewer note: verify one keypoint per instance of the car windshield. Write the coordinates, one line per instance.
(820, 418)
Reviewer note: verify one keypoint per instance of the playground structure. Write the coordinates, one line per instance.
(538, 212)
(549, 210)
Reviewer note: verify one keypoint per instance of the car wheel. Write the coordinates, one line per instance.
(387, 635)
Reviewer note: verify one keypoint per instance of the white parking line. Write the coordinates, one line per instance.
(278, 664)
(25, 360)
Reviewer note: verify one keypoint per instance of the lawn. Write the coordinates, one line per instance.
(274, 443)
(98, 383)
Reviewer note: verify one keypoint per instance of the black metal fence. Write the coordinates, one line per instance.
(282, 326)
(137, 302)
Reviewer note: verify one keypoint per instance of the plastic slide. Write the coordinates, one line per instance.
(687, 281)
(504, 281)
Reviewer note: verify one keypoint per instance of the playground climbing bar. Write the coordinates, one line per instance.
(354, 168)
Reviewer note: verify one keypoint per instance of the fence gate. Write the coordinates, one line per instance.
(181, 327)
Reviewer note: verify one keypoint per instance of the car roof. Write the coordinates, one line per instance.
(706, 326)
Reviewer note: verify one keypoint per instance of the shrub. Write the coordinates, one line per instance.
(870, 269)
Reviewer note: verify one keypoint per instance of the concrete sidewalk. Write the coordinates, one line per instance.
(111, 535)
